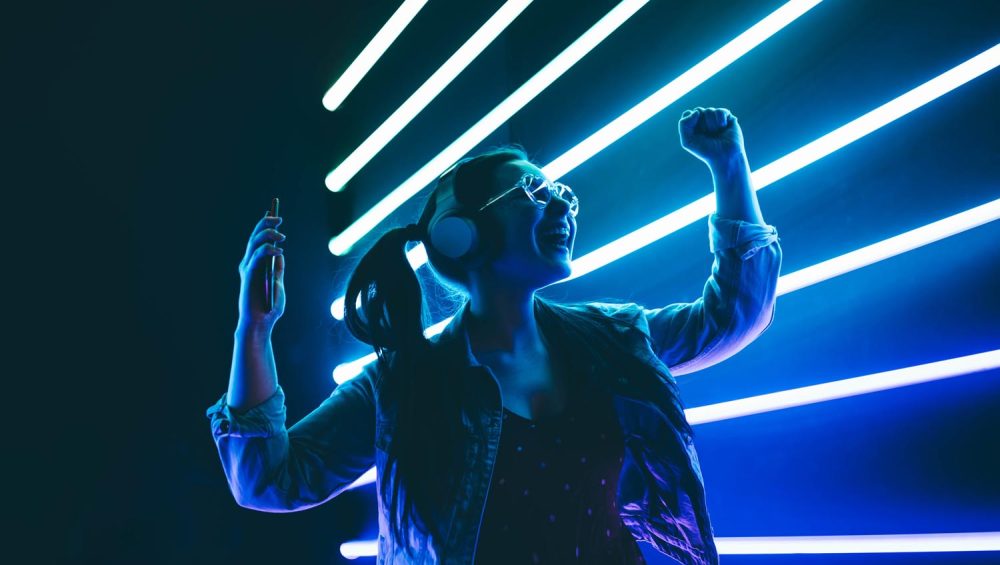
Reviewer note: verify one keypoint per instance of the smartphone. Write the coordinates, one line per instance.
(269, 268)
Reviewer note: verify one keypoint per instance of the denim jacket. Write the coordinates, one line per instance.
(661, 495)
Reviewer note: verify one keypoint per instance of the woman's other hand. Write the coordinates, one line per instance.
(711, 134)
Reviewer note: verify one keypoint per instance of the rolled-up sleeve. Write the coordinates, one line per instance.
(736, 306)
(274, 469)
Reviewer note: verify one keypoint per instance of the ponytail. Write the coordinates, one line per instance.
(424, 389)
(391, 299)
(418, 386)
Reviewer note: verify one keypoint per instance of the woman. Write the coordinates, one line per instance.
(595, 452)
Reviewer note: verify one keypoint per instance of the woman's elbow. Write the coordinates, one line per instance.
(267, 500)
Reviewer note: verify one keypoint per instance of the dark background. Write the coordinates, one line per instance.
(145, 141)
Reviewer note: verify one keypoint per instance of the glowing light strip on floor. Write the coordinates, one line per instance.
(894, 543)
(808, 276)
(371, 53)
(786, 545)
(844, 388)
(782, 167)
(423, 96)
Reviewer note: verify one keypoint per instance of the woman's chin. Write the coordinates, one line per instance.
(561, 252)
(560, 256)
(538, 269)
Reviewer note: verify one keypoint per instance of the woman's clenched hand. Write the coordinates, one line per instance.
(711, 134)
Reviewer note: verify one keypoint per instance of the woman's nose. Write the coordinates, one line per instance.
(558, 205)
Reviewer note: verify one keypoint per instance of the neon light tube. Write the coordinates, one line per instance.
(675, 89)
(785, 545)
(896, 543)
(342, 243)
(890, 247)
(359, 548)
(371, 53)
(844, 388)
(367, 478)
(876, 252)
(423, 96)
(884, 114)
(792, 162)
(786, 165)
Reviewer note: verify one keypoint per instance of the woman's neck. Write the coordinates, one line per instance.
(504, 324)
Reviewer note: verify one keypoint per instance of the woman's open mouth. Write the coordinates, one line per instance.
(554, 242)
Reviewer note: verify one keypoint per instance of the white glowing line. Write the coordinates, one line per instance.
(371, 53)
(645, 109)
(650, 233)
(793, 161)
(347, 371)
(342, 243)
(784, 545)
(894, 543)
(675, 89)
(423, 96)
(360, 548)
(884, 114)
(891, 247)
(844, 388)
(628, 121)
(787, 165)
(367, 478)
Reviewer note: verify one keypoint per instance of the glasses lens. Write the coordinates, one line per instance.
(538, 189)
(567, 194)
(541, 192)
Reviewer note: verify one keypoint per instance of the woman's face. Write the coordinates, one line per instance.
(525, 255)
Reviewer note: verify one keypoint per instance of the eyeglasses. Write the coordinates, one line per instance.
(541, 191)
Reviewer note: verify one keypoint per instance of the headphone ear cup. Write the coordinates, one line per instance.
(455, 237)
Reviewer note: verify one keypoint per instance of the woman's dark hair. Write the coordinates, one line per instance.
(421, 385)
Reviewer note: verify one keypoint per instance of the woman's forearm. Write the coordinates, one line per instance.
(735, 197)
(253, 377)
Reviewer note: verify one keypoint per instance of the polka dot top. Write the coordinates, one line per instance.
(552, 498)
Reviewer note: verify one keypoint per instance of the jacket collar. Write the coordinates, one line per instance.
(454, 342)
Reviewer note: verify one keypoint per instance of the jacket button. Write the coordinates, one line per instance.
(224, 426)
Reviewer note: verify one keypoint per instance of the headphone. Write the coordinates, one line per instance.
(453, 231)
